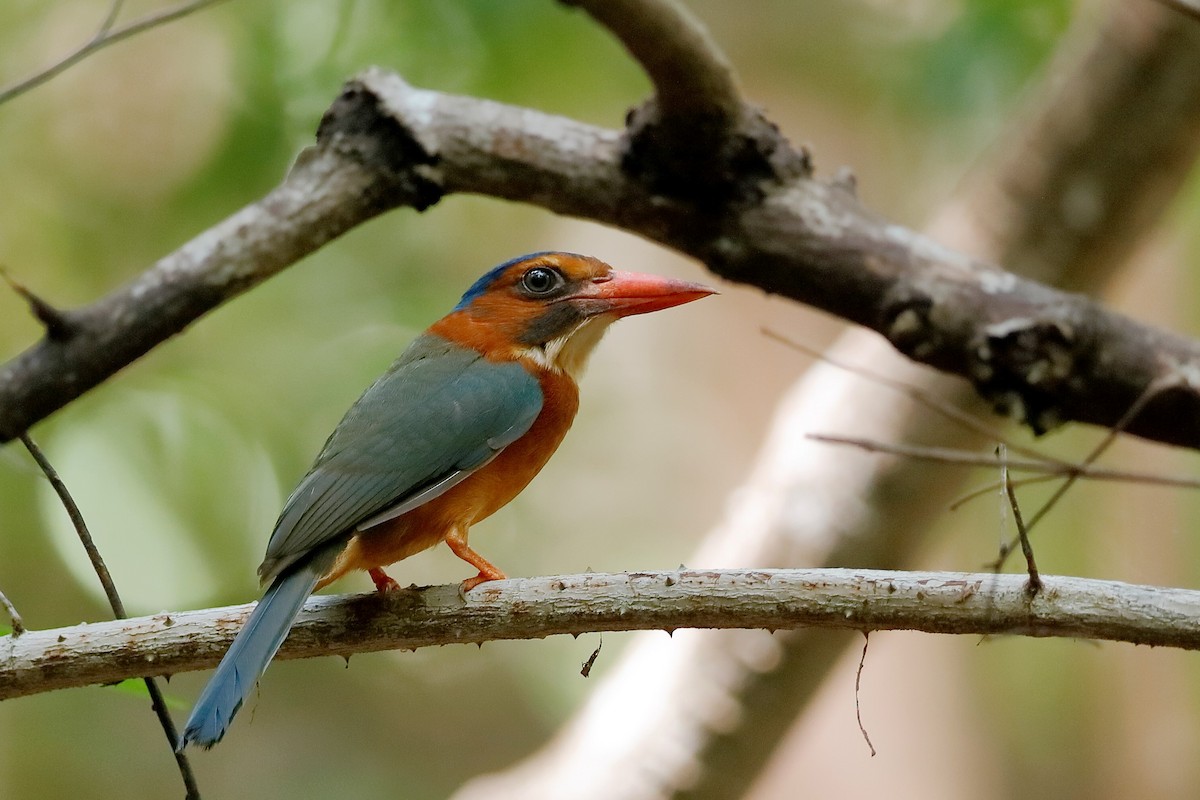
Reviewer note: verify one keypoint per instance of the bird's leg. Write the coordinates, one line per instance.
(383, 582)
(457, 540)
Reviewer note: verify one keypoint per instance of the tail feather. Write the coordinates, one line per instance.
(249, 655)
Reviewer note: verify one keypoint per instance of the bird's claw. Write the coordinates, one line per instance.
(384, 583)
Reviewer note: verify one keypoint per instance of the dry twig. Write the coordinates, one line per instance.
(157, 701)
(862, 662)
(106, 35)
(1035, 581)
(18, 625)
(1050, 467)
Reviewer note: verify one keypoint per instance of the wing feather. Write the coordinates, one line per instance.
(439, 413)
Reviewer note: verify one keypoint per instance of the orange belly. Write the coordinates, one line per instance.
(475, 499)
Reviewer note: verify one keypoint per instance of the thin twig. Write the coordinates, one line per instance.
(110, 19)
(948, 410)
(862, 662)
(1052, 468)
(114, 599)
(1152, 390)
(85, 536)
(994, 485)
(56, 322)
(18, 625)
(1035, 582)
(103, 37)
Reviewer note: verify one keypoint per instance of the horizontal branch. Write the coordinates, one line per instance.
(533, 608)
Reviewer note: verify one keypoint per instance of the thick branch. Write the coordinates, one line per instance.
(696, 138)
(1033, 351)
(866, 600)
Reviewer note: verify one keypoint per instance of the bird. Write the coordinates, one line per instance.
(458, 426)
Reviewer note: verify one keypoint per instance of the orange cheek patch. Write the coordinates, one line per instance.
(492, 325)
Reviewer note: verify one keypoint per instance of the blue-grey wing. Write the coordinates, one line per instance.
(439, 413)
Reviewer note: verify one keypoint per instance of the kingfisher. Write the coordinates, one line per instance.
(458, 425)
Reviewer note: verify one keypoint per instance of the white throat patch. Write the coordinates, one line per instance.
(569, 353)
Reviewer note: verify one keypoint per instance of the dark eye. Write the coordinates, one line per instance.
(541, 281)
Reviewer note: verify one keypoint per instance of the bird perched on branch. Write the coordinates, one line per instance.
(455, 429)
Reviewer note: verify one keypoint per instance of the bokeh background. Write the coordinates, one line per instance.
(181, 461)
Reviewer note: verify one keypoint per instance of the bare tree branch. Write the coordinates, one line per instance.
(1037, 353)
(103, 37)
(1050, 467)
(864, 600)
(958, 416)
(1034, 585)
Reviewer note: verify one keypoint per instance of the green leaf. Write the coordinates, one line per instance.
(137, 688)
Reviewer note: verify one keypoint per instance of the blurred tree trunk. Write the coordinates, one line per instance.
(1114, 130)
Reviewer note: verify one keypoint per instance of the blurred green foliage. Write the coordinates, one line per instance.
(180, 462)
(135, 687)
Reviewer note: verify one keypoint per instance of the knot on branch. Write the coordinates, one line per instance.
(706, 159)
(357, 126)
(1022, 366)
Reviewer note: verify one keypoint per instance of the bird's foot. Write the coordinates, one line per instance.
(383, 582)
(471, 583)
(457, 541)
(482, 577)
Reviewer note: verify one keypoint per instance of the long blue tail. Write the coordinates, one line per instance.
(249, 654)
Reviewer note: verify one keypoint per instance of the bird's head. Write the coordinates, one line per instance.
(552, 308)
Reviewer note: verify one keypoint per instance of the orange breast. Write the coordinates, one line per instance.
(477, 497)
